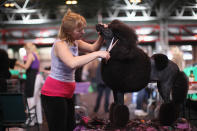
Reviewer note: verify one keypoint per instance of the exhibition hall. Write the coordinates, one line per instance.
(98, 65)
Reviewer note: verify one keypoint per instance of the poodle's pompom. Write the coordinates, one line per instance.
(161, 61)
(120, 115)
(168, 114)
(111, 112)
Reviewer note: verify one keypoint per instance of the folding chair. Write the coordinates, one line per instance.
(15, 111)
(13, 86)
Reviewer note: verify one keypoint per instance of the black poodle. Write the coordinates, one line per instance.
(130, 69)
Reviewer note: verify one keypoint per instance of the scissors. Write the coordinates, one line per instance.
(111, 46)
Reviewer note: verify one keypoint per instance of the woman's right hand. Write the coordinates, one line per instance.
(104, 55)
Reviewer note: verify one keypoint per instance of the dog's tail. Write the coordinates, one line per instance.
(169, 112)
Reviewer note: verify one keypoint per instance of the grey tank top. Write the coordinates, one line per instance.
(59, 70)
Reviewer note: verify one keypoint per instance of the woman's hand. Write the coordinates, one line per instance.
(105, 25)
(104, 55)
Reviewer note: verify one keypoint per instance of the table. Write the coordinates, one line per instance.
(190, 93)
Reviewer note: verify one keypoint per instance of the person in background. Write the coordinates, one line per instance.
(177, 57)
(191, 76)
(89, 73)
(78, 74)
(6, 64)
(5, 74)
(58, 89)
(31, 65)
(101, 88)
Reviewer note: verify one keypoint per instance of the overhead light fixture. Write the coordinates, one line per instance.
(71, 2)
(9, 3)
(135, 1)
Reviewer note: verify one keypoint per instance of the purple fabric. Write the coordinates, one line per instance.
(36, 63)
(79, 128)
(183, 126)
(82, 87)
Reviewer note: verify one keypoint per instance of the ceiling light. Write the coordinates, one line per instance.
(6, 4)
(74, 2)
(68, 2)
(71, 2)
(135, 1)
(9, 3)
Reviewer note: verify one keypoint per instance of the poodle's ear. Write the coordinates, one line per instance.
(161, 61)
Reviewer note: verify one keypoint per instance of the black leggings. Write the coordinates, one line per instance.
(59, 113)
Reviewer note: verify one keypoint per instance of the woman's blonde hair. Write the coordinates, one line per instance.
(31, 47)
(70, 21)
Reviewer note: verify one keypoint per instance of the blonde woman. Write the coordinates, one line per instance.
(58, 89)
(31, 66)
(177, 57)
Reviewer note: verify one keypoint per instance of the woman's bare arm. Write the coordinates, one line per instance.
(62, 51)
(87, 47)
(25, 66)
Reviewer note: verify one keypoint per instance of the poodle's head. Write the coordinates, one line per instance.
(123, 32)
(119, 30)
(161, 61)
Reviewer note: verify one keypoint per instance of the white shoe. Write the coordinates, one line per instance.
(140, 113)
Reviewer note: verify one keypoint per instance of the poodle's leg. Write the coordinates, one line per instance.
(165, 91)
(118, 97)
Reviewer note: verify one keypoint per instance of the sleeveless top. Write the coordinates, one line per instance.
(59, 70)
(61, 81)
(36, 63)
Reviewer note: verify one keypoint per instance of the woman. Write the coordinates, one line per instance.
(31, 66)
(57, 92)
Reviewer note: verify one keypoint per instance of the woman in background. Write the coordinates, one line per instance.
(32, 65)
(177, 57)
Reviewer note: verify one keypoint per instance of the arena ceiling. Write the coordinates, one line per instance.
(154, 20)
(47, 11)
